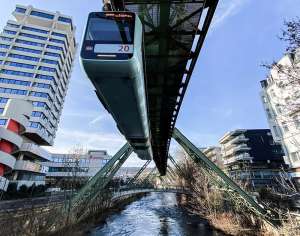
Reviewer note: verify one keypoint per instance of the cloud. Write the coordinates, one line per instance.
(66, 139)
(98, 118)
(227, 9)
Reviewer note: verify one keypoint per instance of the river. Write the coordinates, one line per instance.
(153, 215)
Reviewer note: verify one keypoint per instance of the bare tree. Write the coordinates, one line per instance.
(286, 73)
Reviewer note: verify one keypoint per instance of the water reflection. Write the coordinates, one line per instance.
(156, 214)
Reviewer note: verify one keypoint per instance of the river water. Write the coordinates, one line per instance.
(153, 215)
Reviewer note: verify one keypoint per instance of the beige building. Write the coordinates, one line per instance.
(281, 100)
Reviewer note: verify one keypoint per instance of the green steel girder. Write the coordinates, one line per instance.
(149, 176)
(96, 184)
(175, 164)
(137, 175)
(199, 158)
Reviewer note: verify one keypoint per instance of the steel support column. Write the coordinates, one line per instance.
(137, 175)
(96, 184)
(200, 159)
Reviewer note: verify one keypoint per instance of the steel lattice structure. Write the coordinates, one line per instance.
(174, 32)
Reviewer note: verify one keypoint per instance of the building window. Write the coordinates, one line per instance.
(41, 85)
(35, 30)
(36, 114)
(22, 65)
(59, 35)
(55, 48)
(13, 91)
(6, 38)
(285, 127)
(18, 73)
(42, 14)
(27, 50)
(297, 122)
(53, 62)
(3, 100)
(295, 156)
(65, 19)
(269, 114)
(52, 54)
(10, 32)
(30, 43)
(33, 36)
(57, 41)
(278, 109)
(4, 46)
(2, 54)
(3, 121)
(38, 94)
(13, 25)
(39, 104)
(23, 57)
(48, 69)
(275, 131)
(45, 77)
(13, 81)
(20, 10)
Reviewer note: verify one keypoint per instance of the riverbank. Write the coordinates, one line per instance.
(83, 227)
(227, 212)
(155, 214)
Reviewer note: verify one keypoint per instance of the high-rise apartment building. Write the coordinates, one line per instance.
(36, 54)
(37, 50)
(281, 100)
(252, 156)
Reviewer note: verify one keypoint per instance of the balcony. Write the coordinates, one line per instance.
(236, 148)
(3, 183)
(7, 159)
(30, 166)
(241, 157)
(36, 150)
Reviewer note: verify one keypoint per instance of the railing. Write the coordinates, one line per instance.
(241, 157)
(132, 191)
(236, 148)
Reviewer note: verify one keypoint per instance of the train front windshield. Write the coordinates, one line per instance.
(109, 35)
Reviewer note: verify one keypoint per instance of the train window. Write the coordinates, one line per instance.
(112, 30)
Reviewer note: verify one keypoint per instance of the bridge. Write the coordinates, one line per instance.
(174, 34)
(134, 191)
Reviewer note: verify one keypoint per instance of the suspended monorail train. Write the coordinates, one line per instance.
(112, 57)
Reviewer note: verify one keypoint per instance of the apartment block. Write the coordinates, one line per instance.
(67, 169)
(280, 96)
(37, 50)
(252, 156)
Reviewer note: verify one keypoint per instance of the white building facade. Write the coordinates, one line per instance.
(281, 100)
(79, 168)
(36, 54)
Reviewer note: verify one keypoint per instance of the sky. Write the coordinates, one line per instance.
(223, 93)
